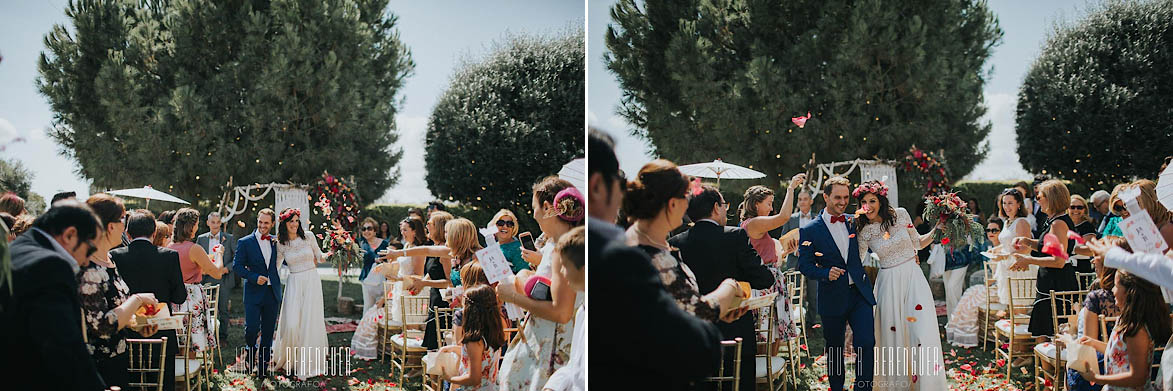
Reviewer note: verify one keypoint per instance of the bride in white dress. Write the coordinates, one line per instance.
(908, 343)
(300, 345)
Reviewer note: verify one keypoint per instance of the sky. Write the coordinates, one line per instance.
(441, 35)
(1025, 25)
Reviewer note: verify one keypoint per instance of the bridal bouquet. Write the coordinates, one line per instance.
(950, 210)
(341, 249)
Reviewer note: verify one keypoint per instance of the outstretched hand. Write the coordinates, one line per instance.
(834, 273)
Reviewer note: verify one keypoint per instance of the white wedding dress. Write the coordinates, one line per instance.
(300, 346)
(908, 343)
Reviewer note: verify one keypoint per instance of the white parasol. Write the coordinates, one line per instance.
(148, 193)
(1165, 187)
(720, 170)
(575, 173)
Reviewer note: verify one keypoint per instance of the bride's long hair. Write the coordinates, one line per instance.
(886, 214)
(286, 216)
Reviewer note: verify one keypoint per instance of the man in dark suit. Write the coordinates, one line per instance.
(151, 269)
(40, 313)
(256, 263)
(716, 253)
(658, 346)
(829, 253)
(209, 240)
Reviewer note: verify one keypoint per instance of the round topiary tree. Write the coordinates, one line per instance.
(507, 121)
(1100, 92)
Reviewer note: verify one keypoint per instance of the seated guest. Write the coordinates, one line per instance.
(1098, 302)
(365, 342)
(148, 268)
(40, 313)
(105, 299)
(717, 253)
(195, 263)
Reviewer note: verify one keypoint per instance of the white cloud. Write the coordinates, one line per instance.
(7, 131)
(1001, 162)
(412, 188)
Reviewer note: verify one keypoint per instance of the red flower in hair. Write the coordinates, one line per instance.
(290, 212)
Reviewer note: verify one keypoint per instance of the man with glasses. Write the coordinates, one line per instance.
(1099, 206)
(40, 312)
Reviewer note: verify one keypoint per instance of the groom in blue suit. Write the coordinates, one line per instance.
(828, 253)
(256, 263)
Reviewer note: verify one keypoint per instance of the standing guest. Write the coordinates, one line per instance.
(506, 236)
(412, 230)
(195, 263)
(435, 275)
(40, 311)
(1128, 354)
(168, 216)
(1111, 225)
(1084, 226)
(162, 236)
(1147, 200)
(147, 268)
(1013, 211)
(804, 215)
(1099, 207)
(545, 341)
(12, 204)
(105, 299)
(571, 249)
(385, 229)
(435, 206)
(756, 221)
(371, 244)
(64, 195)
(1028, 195)
(460, 246)
(1040, 216)
(626, 278)
(1055, 274)
(716, 253)
(227, 242)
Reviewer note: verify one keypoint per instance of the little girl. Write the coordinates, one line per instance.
(1128, 355)
(481, 342)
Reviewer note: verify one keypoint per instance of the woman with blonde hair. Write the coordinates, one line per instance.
(507, 225)
(1055, 273)
(1147, 201)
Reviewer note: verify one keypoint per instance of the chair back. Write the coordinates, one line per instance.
(1087, 281)
(733, 346)
(1065, 306)
(414, 311)
(796, 287)
(183, 335)
(444, 333)
(388, 288)
(147, 363)
(212, 292)
(1022, 297)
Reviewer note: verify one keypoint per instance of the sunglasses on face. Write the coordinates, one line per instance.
(506, 223)
(368, 228)
(1078, 207)
(993, 230)
(1118, 208)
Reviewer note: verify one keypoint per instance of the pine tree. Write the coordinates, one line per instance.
(184, 94)
(722, 79)
(1095, 105)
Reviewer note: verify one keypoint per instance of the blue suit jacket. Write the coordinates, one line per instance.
(818, 253)
(250, 264)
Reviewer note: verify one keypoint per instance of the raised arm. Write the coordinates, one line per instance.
(758, 226)
(1155, 268)
(422, 251)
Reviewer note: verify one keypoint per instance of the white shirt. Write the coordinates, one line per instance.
(61, 250)
(266, 251)
(840, 234)
(804, 218)
(213, 240)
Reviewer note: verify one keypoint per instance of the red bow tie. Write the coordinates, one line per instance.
(266, 237)
(839, 219)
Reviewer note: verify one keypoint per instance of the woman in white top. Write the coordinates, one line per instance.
(1014, 212)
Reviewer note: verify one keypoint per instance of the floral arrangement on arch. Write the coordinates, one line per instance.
(337, 201)
(960, 225)
(929, 169)
(338, 204)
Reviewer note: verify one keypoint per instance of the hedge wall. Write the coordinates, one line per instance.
(393, 213)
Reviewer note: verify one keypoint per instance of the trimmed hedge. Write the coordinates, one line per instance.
(393, 213)
(985, 191)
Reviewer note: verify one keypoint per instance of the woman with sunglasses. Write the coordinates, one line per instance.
(1147, 200)
(371, 245)
(962, 329)
(1085, 227)
(506, 236)
(1055, 273)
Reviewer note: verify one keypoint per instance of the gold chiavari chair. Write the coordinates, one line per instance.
(444, 326)
(989, 314)
(212, 292)
(147, 363)
(1049, 362)
(769, 367)
(1087, 281)
(187, 370)
(796, 288)
(387, 326)
(1013, 329)
(722, 378)
(407, 348)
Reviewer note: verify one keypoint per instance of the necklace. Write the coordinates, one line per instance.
(663, 246)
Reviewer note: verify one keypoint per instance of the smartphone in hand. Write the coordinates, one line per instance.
(527, 241)
(540, 292)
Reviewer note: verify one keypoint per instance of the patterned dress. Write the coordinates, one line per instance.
(101, 291)
(681, 284)
(1098, 302)
(785, 327)
(542, 347)
(489, 369)
(1116, 361)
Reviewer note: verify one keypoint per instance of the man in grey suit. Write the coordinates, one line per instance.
(804, 214)
(208, 240)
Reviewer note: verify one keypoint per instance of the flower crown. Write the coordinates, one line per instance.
(290, 212)
(878, 188)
